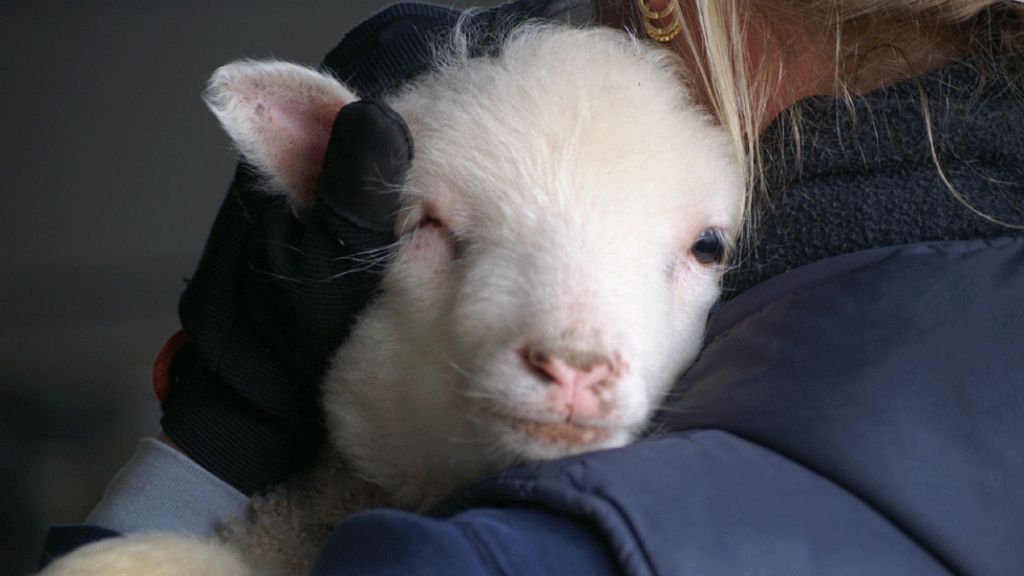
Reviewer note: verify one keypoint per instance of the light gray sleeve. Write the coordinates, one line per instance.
(162, 489)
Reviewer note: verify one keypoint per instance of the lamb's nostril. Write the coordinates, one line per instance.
(595, 375)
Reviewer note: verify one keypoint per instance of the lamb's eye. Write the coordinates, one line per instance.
(709, 247)
(431, 222)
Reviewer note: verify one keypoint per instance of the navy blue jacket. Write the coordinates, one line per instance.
(863, 414)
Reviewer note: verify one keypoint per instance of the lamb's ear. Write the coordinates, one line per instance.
(279, 116)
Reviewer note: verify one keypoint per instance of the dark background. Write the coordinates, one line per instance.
(112, 171)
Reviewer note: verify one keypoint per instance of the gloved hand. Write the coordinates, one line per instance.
(274, 296)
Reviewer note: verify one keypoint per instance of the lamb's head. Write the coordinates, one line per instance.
(563, 226)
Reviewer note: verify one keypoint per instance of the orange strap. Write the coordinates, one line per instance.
(162, 365)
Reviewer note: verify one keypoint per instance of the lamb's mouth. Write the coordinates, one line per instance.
(569, 433)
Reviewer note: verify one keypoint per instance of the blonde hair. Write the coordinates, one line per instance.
(861, 32)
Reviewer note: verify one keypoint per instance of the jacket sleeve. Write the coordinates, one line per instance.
(507, 540)
(708, 502)
(159, 489)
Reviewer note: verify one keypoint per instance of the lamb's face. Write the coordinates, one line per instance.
(553, 275)
(558, 309)
(560, 245)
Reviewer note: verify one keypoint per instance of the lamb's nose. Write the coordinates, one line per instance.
(579, 380)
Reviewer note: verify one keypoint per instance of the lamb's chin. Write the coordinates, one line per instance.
(530, 441)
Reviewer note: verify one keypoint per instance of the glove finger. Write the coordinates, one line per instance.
(324, 273)
(209, 305)
(367, 157)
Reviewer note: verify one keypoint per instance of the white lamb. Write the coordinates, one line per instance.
(560, 242)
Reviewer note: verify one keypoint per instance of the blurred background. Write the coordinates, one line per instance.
(113, 171)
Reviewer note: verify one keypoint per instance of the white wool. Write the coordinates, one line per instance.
(576, 174)
(565, 181)
(151, 554)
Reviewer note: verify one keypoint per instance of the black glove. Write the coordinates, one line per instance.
(274, 296)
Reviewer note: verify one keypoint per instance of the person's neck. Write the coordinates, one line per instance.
(805, 68)
(801, 68)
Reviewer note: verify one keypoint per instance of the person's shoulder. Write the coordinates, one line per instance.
(894, 372)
